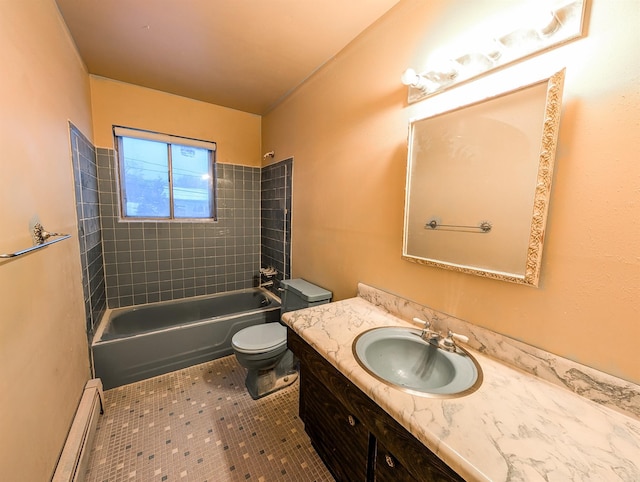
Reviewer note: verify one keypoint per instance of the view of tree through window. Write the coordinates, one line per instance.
(165, 180)
(145, 178)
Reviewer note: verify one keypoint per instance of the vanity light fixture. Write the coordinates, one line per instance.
(430, 82)
(544, 29)
(413, 79)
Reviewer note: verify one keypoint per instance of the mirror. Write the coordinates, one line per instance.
(479, 180)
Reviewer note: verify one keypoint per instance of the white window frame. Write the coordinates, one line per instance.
(119, 132)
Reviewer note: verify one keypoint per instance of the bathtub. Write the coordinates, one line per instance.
(140, 342)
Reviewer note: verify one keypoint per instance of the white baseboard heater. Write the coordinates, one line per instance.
(72, 464)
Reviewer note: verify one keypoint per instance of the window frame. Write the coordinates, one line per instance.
(120, 132)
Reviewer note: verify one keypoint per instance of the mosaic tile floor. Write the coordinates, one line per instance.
(200, 424)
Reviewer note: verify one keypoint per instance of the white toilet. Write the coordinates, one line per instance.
(262, 349)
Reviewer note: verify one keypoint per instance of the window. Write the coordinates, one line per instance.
(165, 177)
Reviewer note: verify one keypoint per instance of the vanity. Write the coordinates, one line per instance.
(515, 426)
(355, 438)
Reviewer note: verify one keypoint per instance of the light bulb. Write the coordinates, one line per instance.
(410, 77)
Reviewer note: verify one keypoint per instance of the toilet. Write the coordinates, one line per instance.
(262, 349)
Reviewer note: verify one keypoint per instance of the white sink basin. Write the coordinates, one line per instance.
(400, 358)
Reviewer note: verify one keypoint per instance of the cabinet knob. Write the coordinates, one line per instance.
(352, 420)
(389, 460)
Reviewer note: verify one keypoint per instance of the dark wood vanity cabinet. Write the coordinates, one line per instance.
(340, 438)
(389, 469)
(356, 439)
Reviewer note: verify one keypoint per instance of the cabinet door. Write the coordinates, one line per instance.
(340, 439)
(409, 453)
(388, 468)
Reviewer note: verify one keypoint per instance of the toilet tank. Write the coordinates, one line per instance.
(299, 294)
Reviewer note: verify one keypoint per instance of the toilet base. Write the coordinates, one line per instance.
(260, 383)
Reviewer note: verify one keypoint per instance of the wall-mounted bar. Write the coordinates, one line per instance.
(40, 236)
(483, 227)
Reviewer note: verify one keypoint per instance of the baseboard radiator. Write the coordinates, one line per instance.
(72, 464)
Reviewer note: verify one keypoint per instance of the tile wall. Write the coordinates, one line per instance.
(156, 261)
(276, 217)
(83, 158)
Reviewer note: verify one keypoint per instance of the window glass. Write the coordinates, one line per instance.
(145, 178)
(163, 179)
(191, 182)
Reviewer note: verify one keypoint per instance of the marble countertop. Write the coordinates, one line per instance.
(516, 426)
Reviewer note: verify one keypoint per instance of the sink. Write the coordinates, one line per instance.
(398, 357)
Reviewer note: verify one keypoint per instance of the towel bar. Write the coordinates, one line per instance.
(41, 236)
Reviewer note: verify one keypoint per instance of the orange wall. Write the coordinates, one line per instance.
(347, 130)
(43, 346)
(117, 103)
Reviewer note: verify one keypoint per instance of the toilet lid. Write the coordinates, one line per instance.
(260, 338)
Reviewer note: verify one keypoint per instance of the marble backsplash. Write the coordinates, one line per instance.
(602, 388)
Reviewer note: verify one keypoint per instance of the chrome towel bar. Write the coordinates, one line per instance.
(41, 238)
(483, 227)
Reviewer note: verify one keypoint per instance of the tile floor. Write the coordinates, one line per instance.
(200, 424)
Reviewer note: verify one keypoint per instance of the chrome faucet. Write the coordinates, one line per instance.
(438, 339)
(448, 343)
(427, 333)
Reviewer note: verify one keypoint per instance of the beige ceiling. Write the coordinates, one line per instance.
(243, 54)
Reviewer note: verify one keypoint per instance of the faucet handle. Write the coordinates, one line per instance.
(449, 344)
(427, 333)
(426, 324)
(456, 336)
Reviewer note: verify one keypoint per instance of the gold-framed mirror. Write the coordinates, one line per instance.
(479, 183)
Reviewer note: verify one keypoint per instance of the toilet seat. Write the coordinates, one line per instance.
(260, 338)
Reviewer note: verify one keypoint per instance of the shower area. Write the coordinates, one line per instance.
(136, 263)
